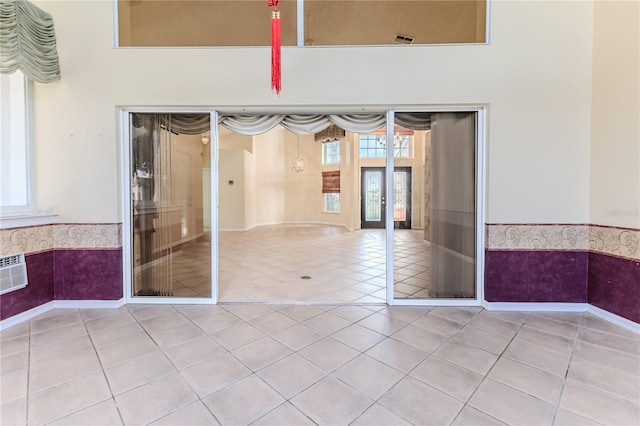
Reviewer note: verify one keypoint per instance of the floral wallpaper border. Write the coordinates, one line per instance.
(609, 240)
(84, 236)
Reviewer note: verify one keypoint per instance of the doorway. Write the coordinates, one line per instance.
(373, 197)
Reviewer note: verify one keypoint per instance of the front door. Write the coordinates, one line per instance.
(373, 197)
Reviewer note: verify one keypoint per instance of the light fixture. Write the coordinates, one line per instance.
(298, 164)
(397, 140)
(205, 139)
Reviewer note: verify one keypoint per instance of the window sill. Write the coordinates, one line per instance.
(27, 219)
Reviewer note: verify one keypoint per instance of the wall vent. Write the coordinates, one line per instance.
(13, 273)
(404, 39)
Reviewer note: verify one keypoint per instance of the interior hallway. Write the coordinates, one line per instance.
(241, 364)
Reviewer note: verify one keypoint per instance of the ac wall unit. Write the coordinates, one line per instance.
(13, 273)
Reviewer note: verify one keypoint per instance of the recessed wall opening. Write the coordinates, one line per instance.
(317, 209)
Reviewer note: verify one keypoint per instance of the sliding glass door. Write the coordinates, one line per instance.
(170, 252)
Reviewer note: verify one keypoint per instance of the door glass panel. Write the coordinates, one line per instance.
(171, 237)
(373, 191)
(434, 256)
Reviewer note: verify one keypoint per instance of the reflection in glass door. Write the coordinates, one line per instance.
(373, 197)
(171, 249)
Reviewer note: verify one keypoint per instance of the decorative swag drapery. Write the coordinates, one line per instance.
(193, 124)
(28, 41)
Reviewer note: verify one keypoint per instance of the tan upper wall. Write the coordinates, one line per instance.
(615, 124)
(534, 78)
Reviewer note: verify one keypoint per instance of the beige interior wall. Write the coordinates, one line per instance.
(270, 199)
(534, 78)
(615, 124)
(231, 189)
(186, 183)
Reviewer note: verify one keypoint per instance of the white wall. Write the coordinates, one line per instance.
(615, 125)
(534, 77)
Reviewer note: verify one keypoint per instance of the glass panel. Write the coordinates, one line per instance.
(362, 22)
(171, 245)
(203, 23)
(332, 203)
(373, 187)
(435, 256)
(400, 196)
(331, 152)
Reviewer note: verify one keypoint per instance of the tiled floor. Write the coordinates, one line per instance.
(266, 264)
(299, 364)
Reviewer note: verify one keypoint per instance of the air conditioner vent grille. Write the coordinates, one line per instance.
(13, 273)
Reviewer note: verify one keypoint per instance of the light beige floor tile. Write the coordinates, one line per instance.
(611, 341)
(331, 402)
(143, 312)
(405, 313)
(538, 383)
(104, 413)
(56, 351)
(128, 350)
(67, 398)
(609, 358)
(329, 354)
(236, 336)
(214, 374)
(574, 318)
(257, 355)
(163, 322)
(398, 355)
(539, 357)
(193, 352)
(358, 337)
(515, 317)
(459, 314)
(91, 313)
(57, 335)
(285, 414)
(63, 370)
(599, 406)
(195, 311)
(491, 342)
(104, 322)
(243, 402)
(291, 375)
(272, 322)
(495, 325)
(129, 375)
(596, 323)
(327, 323)
(606, 379)
(467, 356)
(438, 324)
(550, 326)
(55, 319)
(420, 338)
(15, 345)
(298, 336)
(14, 363)
(195, 414)
(377, 415)
(382, 324)
(449, 378)
(420, 404)
(152, 401)
(510, 405)
(351, 313)
(567, 418)
(14, 412)
(551, 341)
(469, 416)
(176, 335)
(369, 376)
(301, 312)
(216, 322)
(17, 330)
(118, 334)
(13, 386)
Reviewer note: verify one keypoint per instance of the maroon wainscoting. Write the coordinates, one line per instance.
(536, 276)
(39, 291)
(88, 274)
(614, 285)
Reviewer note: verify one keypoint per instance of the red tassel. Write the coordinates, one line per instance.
(276, 73)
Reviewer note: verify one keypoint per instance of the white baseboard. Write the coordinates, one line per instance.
(563, 307)
(61, 304)
(535, 306)
(614, 319)
(257, 225)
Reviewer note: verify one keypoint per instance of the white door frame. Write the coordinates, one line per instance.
(389, 110)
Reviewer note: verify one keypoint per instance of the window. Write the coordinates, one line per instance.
(331, 152)
(15, 170)
(373, 146)
(332, 202)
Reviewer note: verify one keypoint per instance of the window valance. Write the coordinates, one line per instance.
(28, 41)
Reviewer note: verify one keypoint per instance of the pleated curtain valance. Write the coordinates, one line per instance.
(28, 41)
